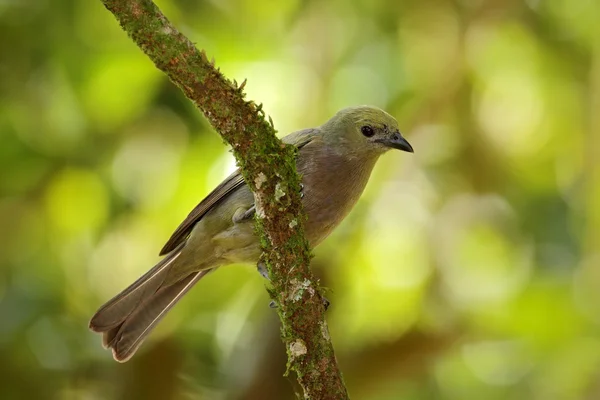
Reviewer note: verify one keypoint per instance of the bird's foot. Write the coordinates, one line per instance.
(262, 270)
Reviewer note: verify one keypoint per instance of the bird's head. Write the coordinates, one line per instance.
(365, 129)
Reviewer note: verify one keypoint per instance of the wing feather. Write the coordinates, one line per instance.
(228, 186)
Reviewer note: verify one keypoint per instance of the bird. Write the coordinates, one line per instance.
(334, 161)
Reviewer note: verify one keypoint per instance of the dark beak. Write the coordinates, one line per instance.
(396, 141)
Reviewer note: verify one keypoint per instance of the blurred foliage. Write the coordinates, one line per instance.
(470, 269)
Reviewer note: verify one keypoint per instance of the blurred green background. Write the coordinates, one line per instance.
(469, 270)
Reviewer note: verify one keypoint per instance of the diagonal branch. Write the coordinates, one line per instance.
(269, 169)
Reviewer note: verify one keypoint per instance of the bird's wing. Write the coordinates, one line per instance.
(228, 186)
(302, 138)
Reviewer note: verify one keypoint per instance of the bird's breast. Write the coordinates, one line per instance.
(332, 186)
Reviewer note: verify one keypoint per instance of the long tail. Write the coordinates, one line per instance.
(128, 318)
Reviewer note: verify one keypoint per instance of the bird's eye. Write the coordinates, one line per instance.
(367, 131)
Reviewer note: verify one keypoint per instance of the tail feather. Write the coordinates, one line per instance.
(117, 309)
(128, 318)
(127, 337)
(109, 336)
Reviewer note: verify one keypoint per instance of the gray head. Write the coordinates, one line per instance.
(365, 130)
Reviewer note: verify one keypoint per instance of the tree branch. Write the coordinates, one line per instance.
(269, 168)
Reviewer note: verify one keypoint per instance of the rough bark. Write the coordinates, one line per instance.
(268, 166)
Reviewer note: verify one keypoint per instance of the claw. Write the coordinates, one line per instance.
(262, 270)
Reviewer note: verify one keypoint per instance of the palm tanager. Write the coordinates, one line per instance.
(334, 160)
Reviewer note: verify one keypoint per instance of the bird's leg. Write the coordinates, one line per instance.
(260, 266)
(241, 214)
(262, 270)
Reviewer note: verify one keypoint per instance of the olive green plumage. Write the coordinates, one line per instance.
(335, 162)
